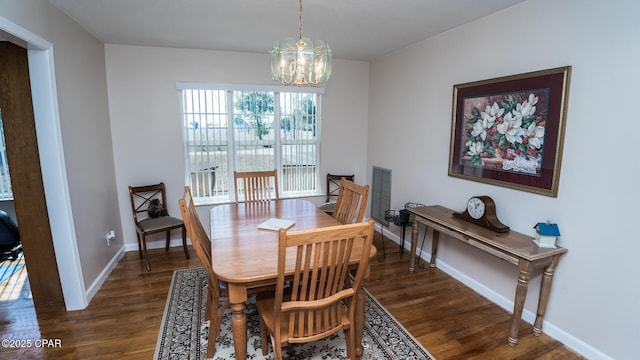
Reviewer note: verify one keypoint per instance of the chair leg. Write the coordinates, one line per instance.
(215, 317)
(226, 305)
(184, 241)
(143, 240)
(166, 245)
(349, 337)
(139, 244)
(277, 349)
(207, 309)
(384, 253)
(211, 346)
(264, 337)
(404, 228)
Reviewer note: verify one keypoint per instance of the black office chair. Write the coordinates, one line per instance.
(10, 244)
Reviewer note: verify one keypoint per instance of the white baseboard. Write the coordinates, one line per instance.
(549, 328)
(156, 244)
(97, 283)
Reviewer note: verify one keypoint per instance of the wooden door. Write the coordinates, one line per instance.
(26, 178)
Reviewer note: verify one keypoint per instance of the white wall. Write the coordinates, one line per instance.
(593, 303)
(146, 124)
(83, 119)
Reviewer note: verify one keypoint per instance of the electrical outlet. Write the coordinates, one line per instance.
(111, 235)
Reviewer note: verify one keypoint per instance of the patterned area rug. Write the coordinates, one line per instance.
(183, 333)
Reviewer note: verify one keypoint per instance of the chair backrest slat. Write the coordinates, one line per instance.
(257, 186)
(321, 279)
(352, 198)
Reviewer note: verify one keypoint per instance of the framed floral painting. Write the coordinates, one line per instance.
(509, 131)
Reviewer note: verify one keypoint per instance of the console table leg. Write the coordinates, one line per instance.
(414, 245)
(545, 289)
(434, 248)
(525, 268)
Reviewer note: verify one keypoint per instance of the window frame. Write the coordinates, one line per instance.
(278, 141)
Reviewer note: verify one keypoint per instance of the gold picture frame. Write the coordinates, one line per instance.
(509, 131)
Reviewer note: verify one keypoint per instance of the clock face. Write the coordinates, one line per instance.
(475, 208)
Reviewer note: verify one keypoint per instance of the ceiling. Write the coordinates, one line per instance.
(354, 29)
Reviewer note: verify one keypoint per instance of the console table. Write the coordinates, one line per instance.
(513, 247)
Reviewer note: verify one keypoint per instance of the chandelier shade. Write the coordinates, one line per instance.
(300, 62)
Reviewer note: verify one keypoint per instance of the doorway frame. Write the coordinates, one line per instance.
(52, 163)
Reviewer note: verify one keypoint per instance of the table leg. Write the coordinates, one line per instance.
(237, 298)
(525, 267)
(434, 248)
(239, 324)
(545, 289)
(414, 245)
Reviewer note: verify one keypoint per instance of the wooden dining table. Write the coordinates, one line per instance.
(246, 257)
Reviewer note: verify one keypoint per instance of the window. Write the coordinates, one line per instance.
(250, 128)
(6, 193)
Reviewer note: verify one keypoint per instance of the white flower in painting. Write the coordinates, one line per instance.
(475, 148)
(511, 128)
(527, 108)
(535, 135)
(490, 114)
(479, 130)
(488, 119)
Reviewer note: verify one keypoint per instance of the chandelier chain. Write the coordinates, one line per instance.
(300, 23)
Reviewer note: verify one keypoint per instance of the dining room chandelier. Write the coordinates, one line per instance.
(299, 62)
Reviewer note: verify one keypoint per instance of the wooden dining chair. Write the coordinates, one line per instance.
(149, 207)
(333, 187)
(256, 186)
(352, 199)
(324, 300)
(216, 289)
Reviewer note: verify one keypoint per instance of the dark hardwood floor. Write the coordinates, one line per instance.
(122, 321)
(451, 320)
